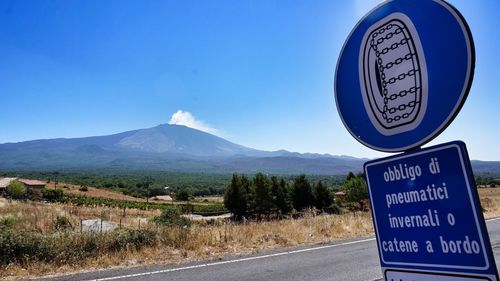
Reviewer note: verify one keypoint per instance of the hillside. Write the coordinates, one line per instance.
(164, 147)
(173, 148)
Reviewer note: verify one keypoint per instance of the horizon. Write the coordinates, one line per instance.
(257, 74)
(166, 124)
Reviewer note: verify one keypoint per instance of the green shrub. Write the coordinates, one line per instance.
(171, 217)
(62, 223)
(16, 190)
(83, 188)
(334, 208)
(7, 222)
(23, 247)
(53, 195)
(182, 195)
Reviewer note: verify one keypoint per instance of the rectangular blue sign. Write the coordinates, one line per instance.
(426, 212)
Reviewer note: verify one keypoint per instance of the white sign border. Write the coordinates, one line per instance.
(462, 163)
(471, 61)
(454, 275)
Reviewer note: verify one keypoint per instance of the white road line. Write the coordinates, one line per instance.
(242, 259)
(232, 261)
(493, 219)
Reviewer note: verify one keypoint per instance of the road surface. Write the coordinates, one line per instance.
(345, 260)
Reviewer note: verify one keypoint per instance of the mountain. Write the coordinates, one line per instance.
(173, 139)
(172, 148)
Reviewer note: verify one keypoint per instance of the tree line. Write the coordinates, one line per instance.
(263, 195)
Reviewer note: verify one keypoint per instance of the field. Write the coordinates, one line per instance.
(490, 201)
(203, 240)
(105, 197)
(93, 192)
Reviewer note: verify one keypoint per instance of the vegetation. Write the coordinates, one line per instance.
(149, 183)
(53, 195)
(93, 201)
(16, 190)
(322, 196)
(172, 217)
(236, 197)
(488, 179)
(280, 195)
(357, 192)
(62, 223)
(7, 222)
(39, 248)
(302, 196)
(265, 196)
(24, 247)
(262, 202)
(182, 195)
(40, 238)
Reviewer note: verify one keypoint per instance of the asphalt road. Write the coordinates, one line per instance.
(346, 260)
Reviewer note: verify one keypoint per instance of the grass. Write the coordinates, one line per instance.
(171, 244)
(203, 240)
(93, 192)
(40, 217)
(490, 201)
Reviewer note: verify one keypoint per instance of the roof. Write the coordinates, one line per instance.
(340, 193)
(32, 182)
(4, 182)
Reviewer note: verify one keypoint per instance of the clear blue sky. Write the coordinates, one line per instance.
(259, 73)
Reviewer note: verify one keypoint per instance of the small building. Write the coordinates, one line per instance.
(32, 184)
(4, 182)
(340, 196)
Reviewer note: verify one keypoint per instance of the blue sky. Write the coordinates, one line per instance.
(259, 73)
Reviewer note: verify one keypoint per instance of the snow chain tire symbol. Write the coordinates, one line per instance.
(393, 75)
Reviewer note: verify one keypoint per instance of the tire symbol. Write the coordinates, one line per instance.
(393, 75)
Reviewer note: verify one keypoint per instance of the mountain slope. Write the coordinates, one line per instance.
(173, 148)
(160, 139)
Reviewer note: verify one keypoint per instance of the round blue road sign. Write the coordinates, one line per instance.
(404, 73)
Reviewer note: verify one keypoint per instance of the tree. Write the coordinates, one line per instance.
(262, 200)
(322, 196)
(182, 195)
(280, 195)
(146, 183)
(16, 189)
(156, 190)
(355, 190)
(350, 175)
(302, 195)
(236, 196)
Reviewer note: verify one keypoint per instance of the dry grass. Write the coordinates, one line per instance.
(72, 189)
(211, 199)
(94, 192)
(40, 217)
(490, 201)
(201, 241)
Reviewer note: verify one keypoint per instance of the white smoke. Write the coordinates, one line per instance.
(187, 119)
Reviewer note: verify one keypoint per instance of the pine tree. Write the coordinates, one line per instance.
(236, 196)
(262, 201)
(322, 196)
(280, 195)
(302, 195)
